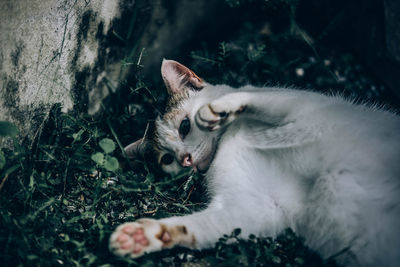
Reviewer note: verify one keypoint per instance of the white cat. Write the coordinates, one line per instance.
(275, 158)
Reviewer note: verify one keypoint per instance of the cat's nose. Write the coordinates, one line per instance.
(187, 160)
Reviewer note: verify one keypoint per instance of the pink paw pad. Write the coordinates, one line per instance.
(166, 237)
(132, 239)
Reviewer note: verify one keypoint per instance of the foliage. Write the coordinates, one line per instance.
(269, 48)
(62, 195)
(7, 129)
(59, 205)
(106, 161)
(286, 250)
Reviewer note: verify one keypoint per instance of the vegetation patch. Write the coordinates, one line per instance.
(63, 194)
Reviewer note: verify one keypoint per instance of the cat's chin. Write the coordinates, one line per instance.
(203, 166)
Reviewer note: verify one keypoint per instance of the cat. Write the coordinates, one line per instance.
(275, 158)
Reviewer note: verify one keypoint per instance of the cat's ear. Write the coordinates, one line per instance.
(137, 149)
(178, 77)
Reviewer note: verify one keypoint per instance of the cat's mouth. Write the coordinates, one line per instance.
(205, 158)
(202, 166)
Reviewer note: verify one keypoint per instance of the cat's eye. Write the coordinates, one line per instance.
(184, 128)
(167, 159)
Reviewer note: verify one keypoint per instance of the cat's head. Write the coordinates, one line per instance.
(177, 144)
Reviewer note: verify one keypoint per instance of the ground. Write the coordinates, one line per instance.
(62, 194)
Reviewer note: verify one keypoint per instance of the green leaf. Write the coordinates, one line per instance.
(8, 129)
(107, 145)
(2, 160)
(98, 158)
(299, 261)
(31, 182)
(111, 164)
(77, 136)
(255, 53)
(12, 169)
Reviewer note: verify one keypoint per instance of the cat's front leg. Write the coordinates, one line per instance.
(133, 239)
(221, 111)
(198, 230)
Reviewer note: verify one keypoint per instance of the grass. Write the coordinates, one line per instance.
(63, 194)
(59, 206)
(60, 203)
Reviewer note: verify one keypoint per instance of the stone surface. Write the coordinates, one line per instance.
(49, 51)
(73, 52)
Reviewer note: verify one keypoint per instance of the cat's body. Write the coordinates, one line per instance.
(275, 158)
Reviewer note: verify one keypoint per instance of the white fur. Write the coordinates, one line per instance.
(325, 167)
(320, 165)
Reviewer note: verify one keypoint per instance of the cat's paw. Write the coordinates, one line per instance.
(133, 239)
(218, 113)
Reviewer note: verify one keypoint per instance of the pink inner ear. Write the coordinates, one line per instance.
(136, 149)
(176, 76)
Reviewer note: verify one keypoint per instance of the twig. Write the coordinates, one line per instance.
(151, 211)
(145, 132)
(190, 193)
(65, 177)
(140, 57)
(3, 181)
